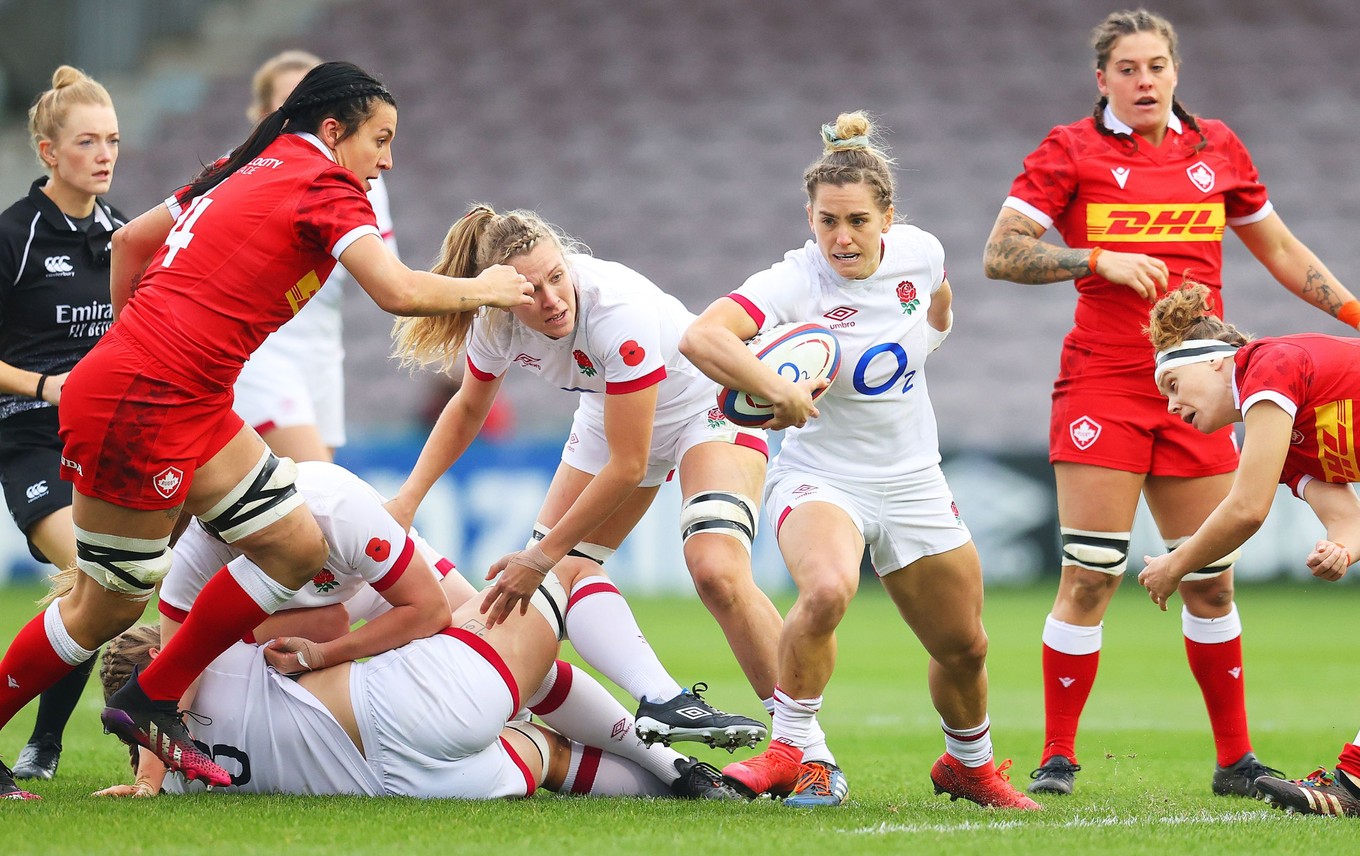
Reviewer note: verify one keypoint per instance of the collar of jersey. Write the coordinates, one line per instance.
(1114, 123)
(320, 146)
(57, 218)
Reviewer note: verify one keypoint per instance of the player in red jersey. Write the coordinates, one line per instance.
(1296, 396)
(147, 423)
(1141, 192)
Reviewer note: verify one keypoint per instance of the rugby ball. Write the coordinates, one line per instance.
(797, 351)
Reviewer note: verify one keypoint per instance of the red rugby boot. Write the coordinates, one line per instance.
(774, 771)
(988, 786)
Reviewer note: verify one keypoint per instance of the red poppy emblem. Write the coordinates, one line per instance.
(632, 353)
(378, 550)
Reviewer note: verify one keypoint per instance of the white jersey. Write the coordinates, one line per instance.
(627, 337)
(367, 547)
(270, 734)
(430, 714)
(876, 420)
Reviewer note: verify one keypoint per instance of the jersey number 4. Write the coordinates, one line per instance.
(182, 234)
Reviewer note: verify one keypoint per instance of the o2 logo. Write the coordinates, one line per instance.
(901, 374)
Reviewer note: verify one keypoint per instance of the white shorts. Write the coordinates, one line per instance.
(282, 388)
(899, 523)
(588, 451)
(431, 713)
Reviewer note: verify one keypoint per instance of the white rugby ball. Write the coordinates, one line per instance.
(798, 351)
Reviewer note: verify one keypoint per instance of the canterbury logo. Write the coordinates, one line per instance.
(1154, 223)
(58, 264)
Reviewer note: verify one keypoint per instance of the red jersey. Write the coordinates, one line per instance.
(1316, 379)
(1170, 202)
(244, 258)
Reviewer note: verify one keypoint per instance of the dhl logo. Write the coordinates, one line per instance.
(1336, 441)
(1154, 223)
(299, 294)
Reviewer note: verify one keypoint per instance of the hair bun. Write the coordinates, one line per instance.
(65, 76)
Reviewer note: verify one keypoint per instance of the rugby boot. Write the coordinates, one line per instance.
(1239, 779)
(9, 790)
(689, 717)
(700, 781)
(1323, 792)
(38, 760)
(774, 771)
(1057, 775)
(988, 786)
(821, 784)
(158, 726)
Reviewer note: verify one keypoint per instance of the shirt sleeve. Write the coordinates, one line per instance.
(1047, 182)
(488, 350)
(1247, 202)
(334, 212)
(776, 295)
(626, 340)
(367, 538)
(1276, 372)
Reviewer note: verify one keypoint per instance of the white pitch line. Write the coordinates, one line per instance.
(1200, 819)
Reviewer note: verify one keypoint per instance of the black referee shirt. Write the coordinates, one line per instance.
(54, 287)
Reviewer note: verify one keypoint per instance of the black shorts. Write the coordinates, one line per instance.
(30, 463)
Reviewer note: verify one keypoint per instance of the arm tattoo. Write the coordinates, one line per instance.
(1319, 292)
(1015, 253)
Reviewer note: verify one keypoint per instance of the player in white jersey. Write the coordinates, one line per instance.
(435, 718)
(606, 332)
(292, 389)
(860, 467)
(368, 553)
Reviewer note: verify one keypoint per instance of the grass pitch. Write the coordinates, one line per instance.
(1144, 747)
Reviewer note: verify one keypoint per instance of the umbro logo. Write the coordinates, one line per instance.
(692, 711)
(804, 489)
(1121, 175)
(840, 313)
(527, 361)
(620, 728)
(1067, 682)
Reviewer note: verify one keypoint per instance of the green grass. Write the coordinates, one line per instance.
(1144, 747)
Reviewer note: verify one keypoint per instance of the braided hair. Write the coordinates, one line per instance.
(333, 90)
(1116, 26)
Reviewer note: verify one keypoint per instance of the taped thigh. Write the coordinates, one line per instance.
(1102, 552)
(584, 550)
(539, 739)
(721, 513)
(131, 566)
(263, 497)
(551, 601)
(1210, 570)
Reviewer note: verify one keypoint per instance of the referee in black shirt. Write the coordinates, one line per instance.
(54, 306)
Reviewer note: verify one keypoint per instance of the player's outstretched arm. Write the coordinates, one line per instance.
(400, 290)
(1298, 268)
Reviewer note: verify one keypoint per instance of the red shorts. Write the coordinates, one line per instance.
(1107, 412)
(132, 436)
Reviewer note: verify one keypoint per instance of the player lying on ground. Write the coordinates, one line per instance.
(439, 717)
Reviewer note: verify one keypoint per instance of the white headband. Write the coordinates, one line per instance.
(1191, 351)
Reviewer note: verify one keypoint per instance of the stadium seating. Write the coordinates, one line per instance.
(672, 136)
